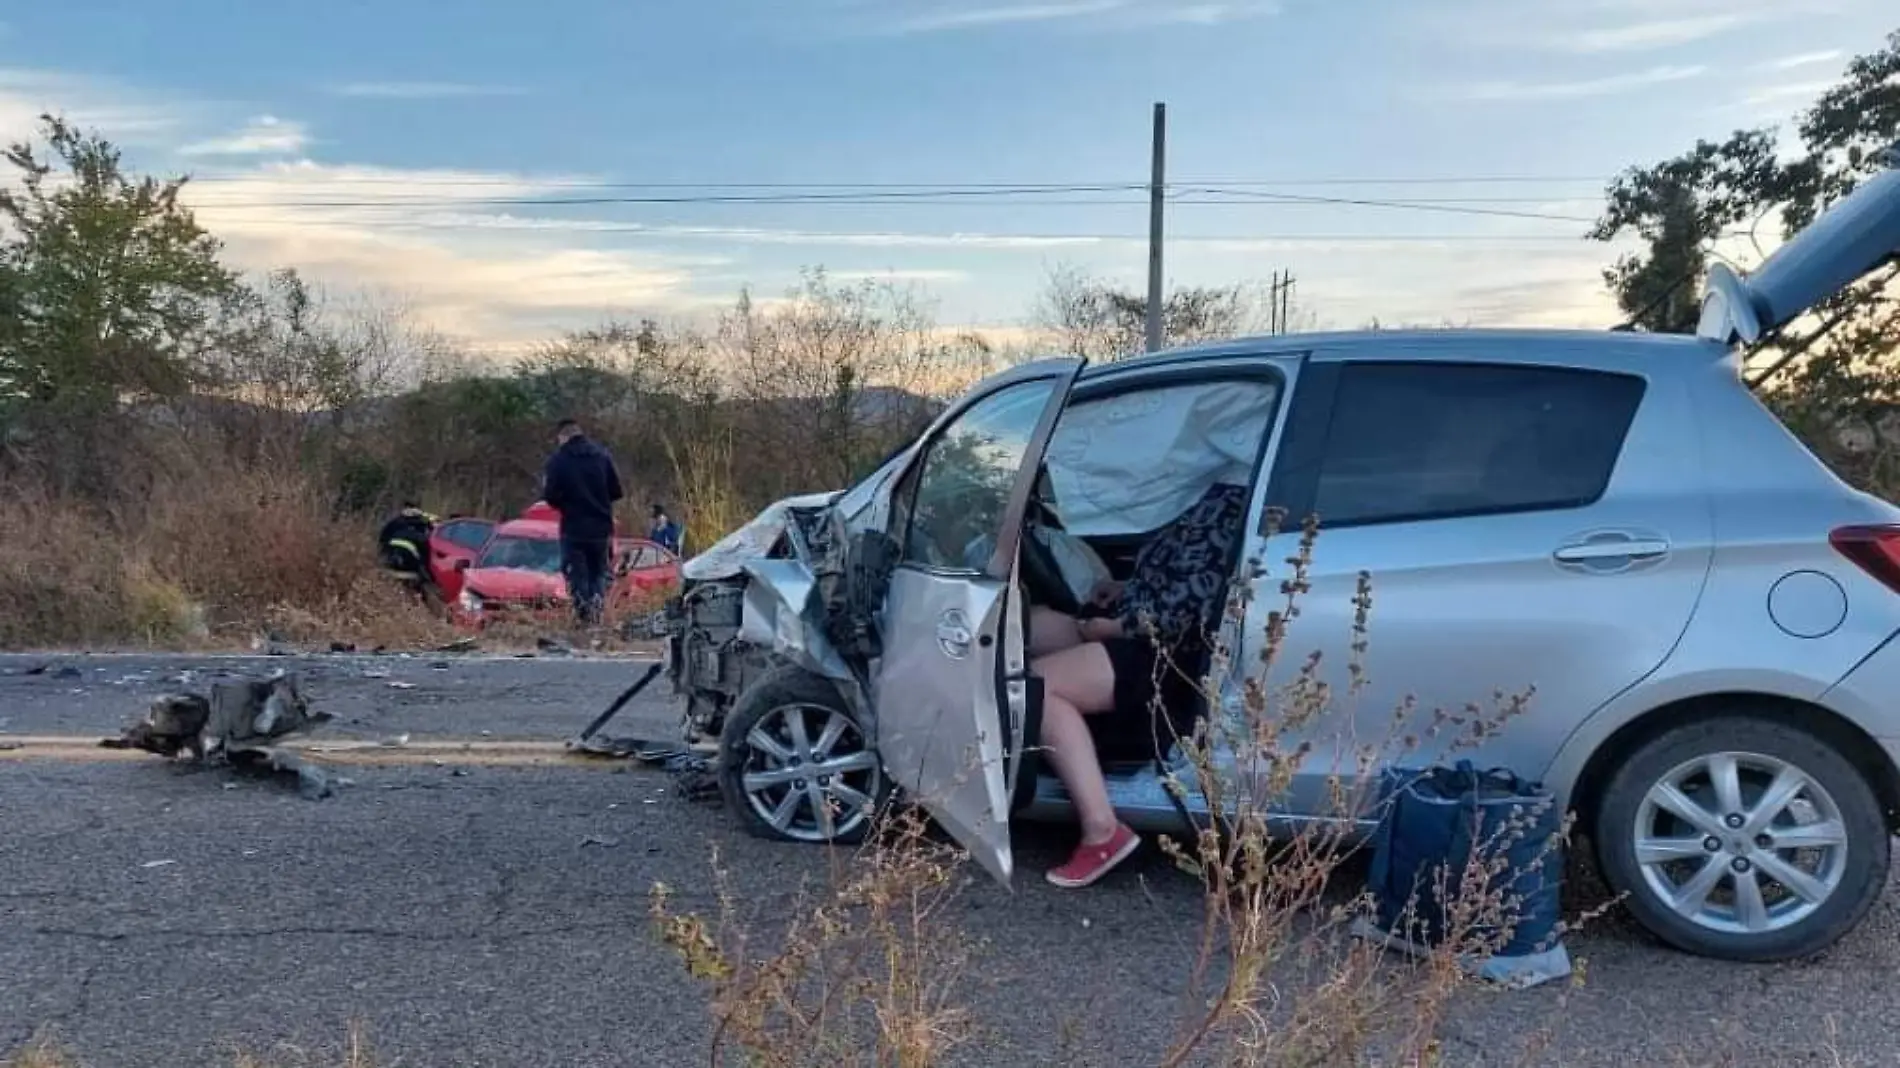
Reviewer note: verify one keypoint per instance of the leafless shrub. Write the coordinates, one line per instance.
(868, 972)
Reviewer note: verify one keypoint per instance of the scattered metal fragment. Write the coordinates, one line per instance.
(605, 840)
(239, 723)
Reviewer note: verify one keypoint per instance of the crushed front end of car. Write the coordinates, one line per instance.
(768, 594)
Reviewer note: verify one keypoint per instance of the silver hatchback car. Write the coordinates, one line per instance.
(1707, 615)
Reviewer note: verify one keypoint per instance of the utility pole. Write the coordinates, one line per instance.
(1157, 189)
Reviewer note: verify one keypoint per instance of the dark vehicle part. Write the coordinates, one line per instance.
(710, 664)
(585, 739)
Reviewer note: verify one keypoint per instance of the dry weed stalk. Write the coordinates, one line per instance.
(1280, 979)
(868, 971)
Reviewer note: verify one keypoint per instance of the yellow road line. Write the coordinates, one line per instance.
(85, 749)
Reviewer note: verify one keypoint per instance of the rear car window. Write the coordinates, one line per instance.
(1415, 441)
(467, 535)
(524, 554)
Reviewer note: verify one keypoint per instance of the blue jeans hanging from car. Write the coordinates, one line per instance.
(585, 564)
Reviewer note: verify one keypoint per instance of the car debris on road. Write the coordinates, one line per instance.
(240, 722)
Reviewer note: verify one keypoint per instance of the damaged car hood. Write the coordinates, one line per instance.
(729, 555)
(782, 610)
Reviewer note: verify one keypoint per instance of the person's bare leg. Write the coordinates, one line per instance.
(1078, 682)
(1051, 631)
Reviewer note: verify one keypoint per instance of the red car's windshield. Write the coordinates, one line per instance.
(523, 554)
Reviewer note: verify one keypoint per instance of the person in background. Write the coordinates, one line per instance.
(664, 531)
(581, 483)
(404, 541)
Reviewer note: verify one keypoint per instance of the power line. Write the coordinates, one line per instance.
(582, 183)
(1183, 197)
(895, 238)
(934, 197)
(1413, 205)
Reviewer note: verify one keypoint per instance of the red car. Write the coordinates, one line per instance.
(519, 569)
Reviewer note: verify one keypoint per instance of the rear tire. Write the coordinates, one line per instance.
(789, 742)
(1685, 825)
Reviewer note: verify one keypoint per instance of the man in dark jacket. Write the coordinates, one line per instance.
(580, 482)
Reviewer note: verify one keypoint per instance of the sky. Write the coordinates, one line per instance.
(506, 171)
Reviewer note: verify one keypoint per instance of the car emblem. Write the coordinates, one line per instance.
(953, 634)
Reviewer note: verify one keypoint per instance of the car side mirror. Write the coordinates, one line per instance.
(462, 565)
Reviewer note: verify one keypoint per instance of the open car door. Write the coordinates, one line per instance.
(951, 688)
(1853, 237)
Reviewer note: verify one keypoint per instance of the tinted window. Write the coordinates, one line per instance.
(956, 506)
(466, 535)
(1421, 440)
(526, 554)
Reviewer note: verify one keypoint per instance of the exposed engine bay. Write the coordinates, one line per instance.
(712, 657)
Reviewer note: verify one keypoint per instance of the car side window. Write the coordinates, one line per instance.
(952, 511)
(643, 557)
(1413, 441)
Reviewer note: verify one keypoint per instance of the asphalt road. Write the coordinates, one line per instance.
(494, 915)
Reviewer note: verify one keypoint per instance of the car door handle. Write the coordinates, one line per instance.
(1629, 549)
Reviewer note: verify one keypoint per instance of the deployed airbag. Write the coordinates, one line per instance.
(1131, 463)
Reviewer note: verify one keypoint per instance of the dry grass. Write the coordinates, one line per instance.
(869, 971)
(709, 499)
(214, 559)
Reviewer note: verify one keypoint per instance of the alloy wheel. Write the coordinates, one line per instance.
(1740, 843)
(808, 772)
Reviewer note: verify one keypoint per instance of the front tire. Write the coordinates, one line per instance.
(1743, 838)
(796, 764)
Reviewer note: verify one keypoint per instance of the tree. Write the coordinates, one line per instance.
(108, 286)
(1088, 317)
(1837, 363)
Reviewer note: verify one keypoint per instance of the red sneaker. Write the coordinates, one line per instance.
(1091, 862)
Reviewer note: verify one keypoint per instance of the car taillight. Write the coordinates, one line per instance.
(1875, 548)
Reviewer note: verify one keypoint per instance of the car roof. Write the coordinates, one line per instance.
(1489, 345)
(536, 529)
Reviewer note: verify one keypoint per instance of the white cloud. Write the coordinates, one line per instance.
(361, 227)
(266, 135)
(1605, 86)
(997, 16)
(941, 16)
(421, 90)
(1804, 92)
(1657, 33)
(26, 94)
(1805, 59)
